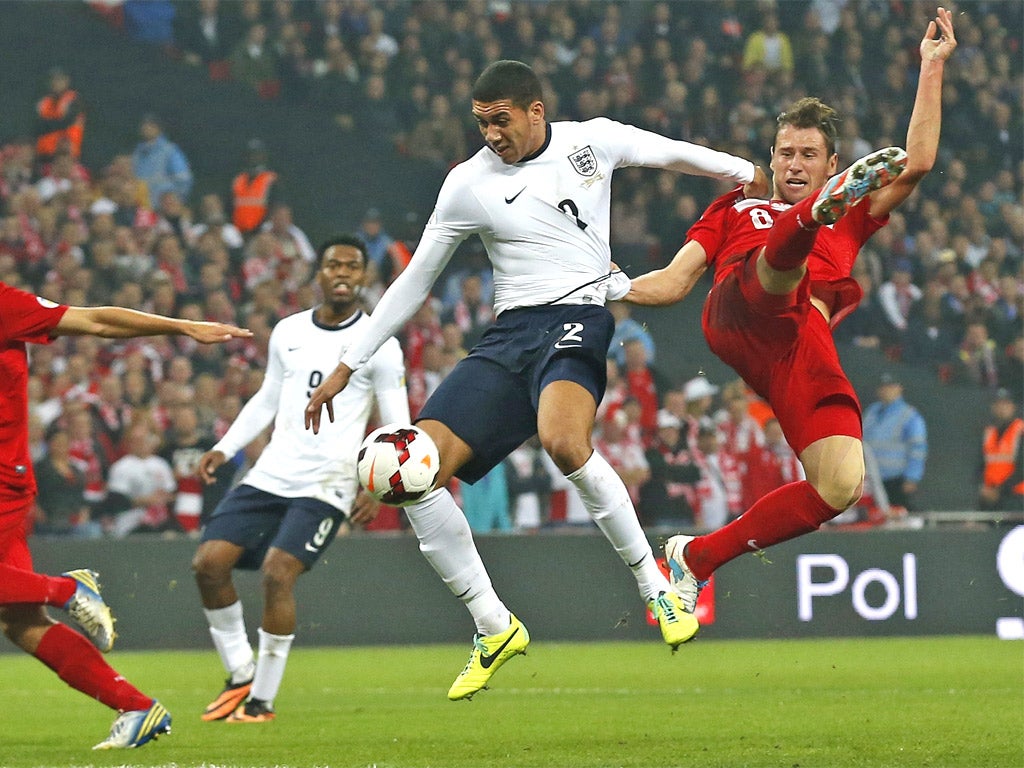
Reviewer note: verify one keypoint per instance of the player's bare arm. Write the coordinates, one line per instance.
(672, 282)
(323, 395)
(925, 121)
(121, 323)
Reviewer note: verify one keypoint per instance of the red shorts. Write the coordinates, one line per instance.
(14, 525)
(783, 348)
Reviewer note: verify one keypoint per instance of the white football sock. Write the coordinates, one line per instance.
(270, 667)
(447, 542)
(607, 500)
(227, 628)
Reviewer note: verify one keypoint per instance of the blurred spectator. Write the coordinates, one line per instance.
(336, 88)
(254, 63)
(471, 313)
(60, 175)
(186, 442)
(174, 216)
(61, 506)
(1002, 446)
(897, 436)
(699, 394)
(1011, 368)
(253, 190)
(60, 118)
(438, 137)
(293, 245)
(622, 447)
(667, 498)
(110, 414)
(91, 455)
(768, 466)
(738, 431)
(768, 51)
(929, 341)
(150, 21)
(644, 383)
(976, 358)
(866, 325)
(528, 486)
(160, 163)
(141, 486)
(627, 329)
(897, 296)
(213, 220)
(206, 35)
(380, 245)
(486, 502)
(719, 491)
(423, 329)
(1006, 310)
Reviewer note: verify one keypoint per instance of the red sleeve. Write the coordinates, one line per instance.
(710, 229)
(28, 318)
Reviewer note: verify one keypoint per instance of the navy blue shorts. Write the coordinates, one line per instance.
(257, 520)
(490, 398)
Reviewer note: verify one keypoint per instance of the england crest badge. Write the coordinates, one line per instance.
(583, 161)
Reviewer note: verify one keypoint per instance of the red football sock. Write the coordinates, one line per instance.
(77, 662)
(781, 515)
(791, 237)
(20, 586)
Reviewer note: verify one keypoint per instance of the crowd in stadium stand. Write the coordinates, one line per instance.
(943, 283)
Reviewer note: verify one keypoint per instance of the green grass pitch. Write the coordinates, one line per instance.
(831, 703)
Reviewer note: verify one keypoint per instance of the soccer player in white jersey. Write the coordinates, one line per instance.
(287, 509)
(538, 195)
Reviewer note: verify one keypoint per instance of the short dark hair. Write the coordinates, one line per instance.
(810, 112)
(346, 239)
(508, 79)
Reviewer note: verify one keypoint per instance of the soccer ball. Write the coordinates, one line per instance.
(398, 464)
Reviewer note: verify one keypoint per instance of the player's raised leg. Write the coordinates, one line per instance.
(565, 420)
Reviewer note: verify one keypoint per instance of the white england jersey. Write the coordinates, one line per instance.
(544, 221)
(297, 463)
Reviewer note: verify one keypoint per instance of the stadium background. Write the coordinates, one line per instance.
(330, 181)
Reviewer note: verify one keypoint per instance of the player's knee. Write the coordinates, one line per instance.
(841, 488)
(278, 575)
(209, 567)
(568, 452)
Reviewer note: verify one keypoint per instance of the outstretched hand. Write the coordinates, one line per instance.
(213, 333)
(324, 395)
(940, 49)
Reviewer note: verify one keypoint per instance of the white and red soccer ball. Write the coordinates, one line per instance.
(398, 464)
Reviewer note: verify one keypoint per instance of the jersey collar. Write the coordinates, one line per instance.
(340, 326)
(540, 150)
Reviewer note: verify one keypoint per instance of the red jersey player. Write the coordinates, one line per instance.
(25, 318)
(782, 280)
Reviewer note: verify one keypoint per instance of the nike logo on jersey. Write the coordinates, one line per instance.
(486, 659)
(510, 200)
(752, 544)
(292, 349)
(310, 547)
